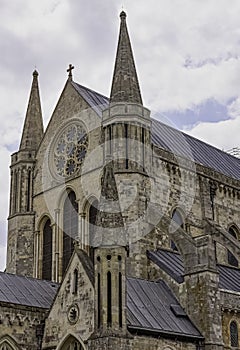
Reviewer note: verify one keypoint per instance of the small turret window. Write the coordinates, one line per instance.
(75, 281)
(109, 299)
(234, 334)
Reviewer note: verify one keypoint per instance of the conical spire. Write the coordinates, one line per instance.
(125, 86)
(33, 125)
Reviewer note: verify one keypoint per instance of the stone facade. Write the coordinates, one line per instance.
(138, 186)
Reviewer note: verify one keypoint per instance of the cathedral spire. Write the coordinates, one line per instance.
(33, 125)
(125, 86)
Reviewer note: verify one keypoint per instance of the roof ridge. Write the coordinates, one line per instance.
(91, 90)
(28, 277)
(194, 138)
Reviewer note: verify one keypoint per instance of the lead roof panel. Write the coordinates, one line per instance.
(151, 308)
(26, 291)
(172, 264)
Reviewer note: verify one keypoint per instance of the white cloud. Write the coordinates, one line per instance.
(165, 36)
(223, 134)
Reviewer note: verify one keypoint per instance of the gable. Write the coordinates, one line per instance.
(73, 308)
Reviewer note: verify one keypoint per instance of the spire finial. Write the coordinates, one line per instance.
(69, 70)
(35, 73)
(123, 15)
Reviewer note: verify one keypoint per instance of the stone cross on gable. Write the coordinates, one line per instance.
(69, 70)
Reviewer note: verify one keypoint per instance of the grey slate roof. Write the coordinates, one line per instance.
(172, 264)
(229, 278)
(26, 291)
(174, 140)
(97, 101)
(202, 153)
(152, 307)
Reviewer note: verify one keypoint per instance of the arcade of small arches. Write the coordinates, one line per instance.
(70, 343)
(54, 241)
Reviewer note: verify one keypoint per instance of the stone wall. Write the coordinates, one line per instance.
(20, 323)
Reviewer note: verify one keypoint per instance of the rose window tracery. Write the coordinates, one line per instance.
(70, 150)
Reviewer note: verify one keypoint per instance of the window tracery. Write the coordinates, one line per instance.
(234, 334)
(70, 150)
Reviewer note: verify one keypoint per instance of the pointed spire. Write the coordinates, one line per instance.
(33, 125)
(125, 86)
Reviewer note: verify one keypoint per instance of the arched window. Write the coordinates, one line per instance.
(93, 210)
(234, 334)
(6, 346)
(72, 344)
(75, 282)
(7, 343)
(177, 217)
(47, 251)
(70, 227)
(231, 258)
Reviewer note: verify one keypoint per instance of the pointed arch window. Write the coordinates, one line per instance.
(47, 251)
(231, 258)
(234, 334)
(7, 344)
(70, 227)
(72, 344)
(75, 281)
(93, 210)
(178, 218)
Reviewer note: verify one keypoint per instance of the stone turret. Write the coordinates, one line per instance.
(21, 216)
(110, 268)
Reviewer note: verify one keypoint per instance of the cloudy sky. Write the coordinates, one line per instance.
(187, 55)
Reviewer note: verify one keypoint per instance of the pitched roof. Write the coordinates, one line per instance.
(26, 291)
(229, 278)
(174, 140)
(172, 264)
(97, 101)
(187, 146)
(152, 307)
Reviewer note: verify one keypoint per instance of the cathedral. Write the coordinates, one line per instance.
(123, 232)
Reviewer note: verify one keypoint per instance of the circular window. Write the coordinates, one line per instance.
(73, 313)
(69, 149)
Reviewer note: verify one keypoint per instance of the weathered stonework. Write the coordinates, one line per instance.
(137, 186)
